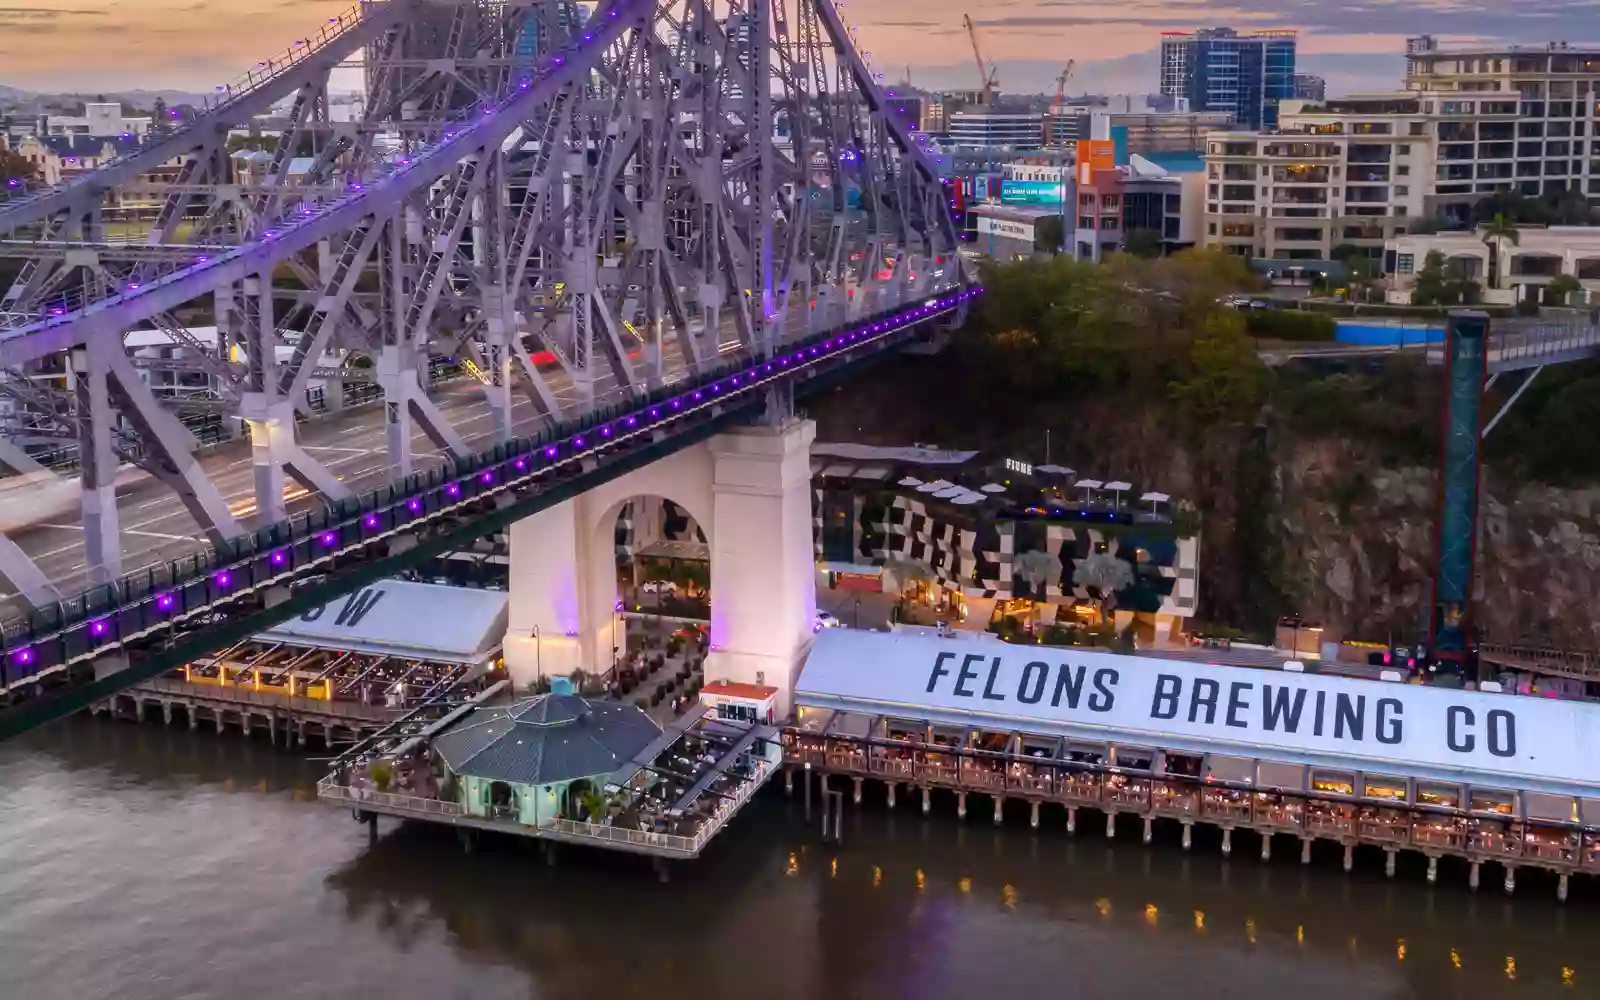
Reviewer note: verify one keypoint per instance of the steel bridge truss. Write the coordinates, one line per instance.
(642, 196)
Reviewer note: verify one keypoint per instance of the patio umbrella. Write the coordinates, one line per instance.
(1117, 488)
(1086, 485)
(1155, 498)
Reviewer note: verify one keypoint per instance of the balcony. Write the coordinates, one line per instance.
(1300, 173)
(1300, 196)
(1369, 154)
(1367, 175)
(1302, 150)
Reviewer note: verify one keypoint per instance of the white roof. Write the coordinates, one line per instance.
(415, 621)
(1439, 734)
(878, 453)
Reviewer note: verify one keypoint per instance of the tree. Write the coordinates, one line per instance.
(382, 774)
(1146, 243)
(1560, 290)
(1049, 234)
(1035, 568)
(160, 118)
(1431, 285)
(1103, 574)
(1496, 233)
(15, 172)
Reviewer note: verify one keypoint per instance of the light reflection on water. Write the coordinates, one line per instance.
(147, 864)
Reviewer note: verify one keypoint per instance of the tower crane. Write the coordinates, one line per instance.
(986, 73)
(1061, 81)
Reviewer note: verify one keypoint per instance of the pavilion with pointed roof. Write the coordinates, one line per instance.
(529, 760)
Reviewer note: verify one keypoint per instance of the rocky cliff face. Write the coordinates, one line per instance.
(1363, 544)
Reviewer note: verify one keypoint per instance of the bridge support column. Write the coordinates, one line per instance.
(763, 564)
(1266, 847)
(1227, 842)
(1511, 880)
(1473, 874)
(961, 805)
(1305, 850)
(1072, 819)
(545, 633)
(1349, 857)
(788, 783)
(1188, 835)
(999, 809)
(927, 800)
(1111, 826)
(1149, 829)
(1561, 888)
(1390, 854)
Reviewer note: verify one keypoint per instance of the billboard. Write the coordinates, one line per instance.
(989, 225)
(1033, 192)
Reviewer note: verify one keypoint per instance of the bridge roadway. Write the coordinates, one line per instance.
(156, 527)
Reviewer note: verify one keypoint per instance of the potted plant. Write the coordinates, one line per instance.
(382, 774)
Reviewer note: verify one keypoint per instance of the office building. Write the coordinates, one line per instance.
(1114, 201)
(1308, 87)
(999, 127)
(1219, 69)
(1144, 127)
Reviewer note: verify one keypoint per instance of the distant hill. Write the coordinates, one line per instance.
(132, 98)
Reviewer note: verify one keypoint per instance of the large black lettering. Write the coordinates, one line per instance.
(967, 674)
(1103, 698)
(1164, 705)
(1238, 702)
(1031, 688)
(1318, 716)
(1204, 695)
(1502, 733)
(1281, 708)
(1388, 720)
(357, 606)
(989, 693)
(1349, 717)
(1069, 682)
(1457, 718)
(939, 670)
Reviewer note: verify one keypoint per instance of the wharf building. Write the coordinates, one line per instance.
(1478, 780)
(392, 654)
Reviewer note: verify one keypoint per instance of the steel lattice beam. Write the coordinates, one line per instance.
(580, 210)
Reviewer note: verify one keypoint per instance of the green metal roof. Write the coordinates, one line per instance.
(546, 739)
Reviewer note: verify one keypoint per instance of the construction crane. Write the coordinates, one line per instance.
(986, 73)
(1061, 82)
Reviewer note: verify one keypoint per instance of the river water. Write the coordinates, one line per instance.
(140, 863)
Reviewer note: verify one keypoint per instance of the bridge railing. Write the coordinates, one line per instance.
(105, 617)
(1578, 664)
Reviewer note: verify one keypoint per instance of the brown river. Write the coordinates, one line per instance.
(139, 863)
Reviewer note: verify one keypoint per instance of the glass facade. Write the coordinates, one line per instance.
(1222, 70)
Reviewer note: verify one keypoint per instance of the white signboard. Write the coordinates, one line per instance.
(1017, 465)
(1235, 709)
(1005, 227)
(419, 621)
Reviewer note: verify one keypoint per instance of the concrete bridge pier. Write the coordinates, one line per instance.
(1227, 841)
(1305, 850)
(1433, 870)
(1349, 857)
(1390, 855)
(927, 800)
(961, 805)
(1472, 875)
(1149, 829)
(1033, 816)
(1111, 826)
(856, 794)
(999, 809)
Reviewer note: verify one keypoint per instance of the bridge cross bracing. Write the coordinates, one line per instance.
(576, 212)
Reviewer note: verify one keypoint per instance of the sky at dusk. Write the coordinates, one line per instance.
(89, 45)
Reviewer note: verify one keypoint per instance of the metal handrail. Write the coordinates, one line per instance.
(329, 788)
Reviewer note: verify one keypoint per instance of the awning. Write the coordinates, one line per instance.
(413, 621)
(1489, 740)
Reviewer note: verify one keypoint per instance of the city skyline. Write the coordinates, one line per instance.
(196, 44)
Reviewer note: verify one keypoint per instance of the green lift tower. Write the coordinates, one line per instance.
(1450, 645)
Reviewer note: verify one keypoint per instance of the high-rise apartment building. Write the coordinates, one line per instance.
(1472, 121)
(1219, 69)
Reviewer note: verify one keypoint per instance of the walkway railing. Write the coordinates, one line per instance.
(243, 694)
(329, 788)
(1577, 664)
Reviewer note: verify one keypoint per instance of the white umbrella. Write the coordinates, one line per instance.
(1117, 488)
(934, 486)
(952, 491)
(1055, 470)
(1086, 485)
(992, 488)
(1155, 498)
(910, 481)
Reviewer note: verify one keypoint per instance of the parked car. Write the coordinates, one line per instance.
(665, 588)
